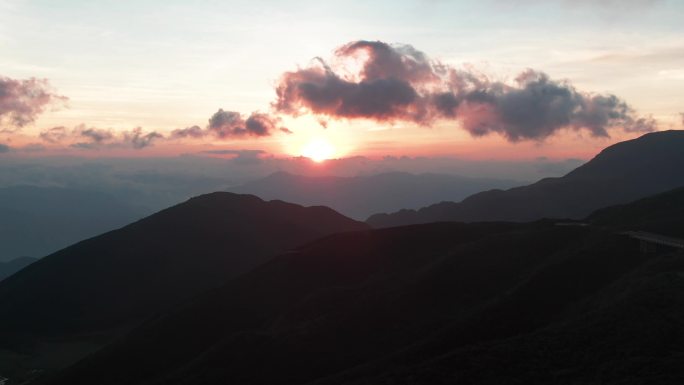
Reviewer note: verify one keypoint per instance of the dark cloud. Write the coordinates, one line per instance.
(230, 124)
(21, 101)
(91, 138)
(225, 123)
(400, 83)
(4, 148)
(322, 91)
(536, 107)
(257, 125)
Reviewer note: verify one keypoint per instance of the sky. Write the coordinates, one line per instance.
(487, 80)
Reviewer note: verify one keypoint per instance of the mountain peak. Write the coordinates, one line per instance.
(648, 154)
(125, 275)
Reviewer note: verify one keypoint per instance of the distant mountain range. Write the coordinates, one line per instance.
(99, 287)
(620, 174)
(360, 196)
(36, 221)
(442, 303)
(10, 267)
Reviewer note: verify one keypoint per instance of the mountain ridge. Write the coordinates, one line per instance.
(619, 174)
(360, 196)
(12, 266)
(106, 284)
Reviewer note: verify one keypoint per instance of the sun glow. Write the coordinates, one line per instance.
(318, 150)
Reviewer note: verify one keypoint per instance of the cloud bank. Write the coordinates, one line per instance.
(399, 83)
(21, 101)
(93, 138)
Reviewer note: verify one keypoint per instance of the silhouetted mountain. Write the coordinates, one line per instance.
(361, 196)
(481, 303)
(36, 221)
(10, 267)
(621, 173)
(112, 281)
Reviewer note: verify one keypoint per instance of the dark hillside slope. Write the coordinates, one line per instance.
(349, 299)
(630, 333)
(10, 267)
(119, 278)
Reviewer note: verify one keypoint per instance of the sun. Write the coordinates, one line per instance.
(318, 150)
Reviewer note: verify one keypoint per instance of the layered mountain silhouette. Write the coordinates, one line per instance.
(621, 173)
(10, 267)
(228, 288)
(98, 287)
(36, 221)
(480, 303)
(361, 196)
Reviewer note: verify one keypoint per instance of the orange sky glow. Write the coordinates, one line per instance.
(428, 82)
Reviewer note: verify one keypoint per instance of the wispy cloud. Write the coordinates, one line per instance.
(21, 101)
